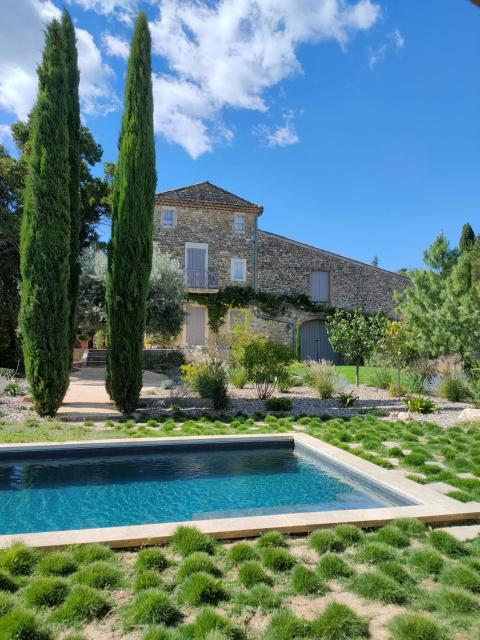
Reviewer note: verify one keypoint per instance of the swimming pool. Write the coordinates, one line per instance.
(106, 486)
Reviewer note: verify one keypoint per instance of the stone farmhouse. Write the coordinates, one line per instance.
(214, 235)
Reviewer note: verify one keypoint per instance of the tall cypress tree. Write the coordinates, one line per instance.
(45, 235)
(73, 120)
(130, 251)
(467, 238)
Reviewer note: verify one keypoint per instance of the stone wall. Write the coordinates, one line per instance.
(285, 266)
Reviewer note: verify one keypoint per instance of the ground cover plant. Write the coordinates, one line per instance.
(404, 581)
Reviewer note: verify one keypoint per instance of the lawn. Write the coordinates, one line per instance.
(348, 372)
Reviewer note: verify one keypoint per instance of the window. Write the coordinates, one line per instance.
(320, 286)
(168, 219)
(238, 270)
(239, 224)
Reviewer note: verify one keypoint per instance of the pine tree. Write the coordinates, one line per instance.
(467, 238)
(130, 251)
(45, 235)
(73, 120)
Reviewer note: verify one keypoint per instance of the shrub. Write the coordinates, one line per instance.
(83, 604)
(420, 404)
(251, 573)
(265, 362)
(324, 377)
(12, 389)
(237, 376)
(241, 552)
(198, 562)
(22, 625)
(448, 545)
(454, 388)
(285, 626)
(285, 383)
(209, 622)
(100, 574)
(187, 540)
(86, 553)
(147, 579)
(278, 559)
(202, 588)
(306, 582)
(392, 535)
(152, 607)
(46, 592)
(374, 552)
(57, 563)
(208, 377)
(259, 597)
(324, 540)
(427, 561)
(332, 566)
(278, 404)
(271, 539)
(7, 583)
(348, 534)
(347, 399)
(151, 559)
(19, 559)
(407, 626)
(381, 377)
(378, 586)
(339, 622)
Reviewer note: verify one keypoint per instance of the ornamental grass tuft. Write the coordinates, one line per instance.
(152, 607)
(19, 560)
(20, 624)
(147, 579)
(448, 545)
(198, 562)
(187, 540)
(88, 553)
(259, 597)
(427, 562)
(307, 582)
(414, 626)
(461, 576)
(151, 559)
(46, 592)
(207, 623)
(284, 625)
(271, 539)
(348, 534)
(251, 573)
(278, 560)
(100, 575)
(241, 552)
(392, 536)
(161, 632)
(339, 622)
(374, 552)
(6, 603)
(201, 588)
(324, 540)
(83, 604)
(7, 583)
(375, 585)
(57, 563)
(333, 566)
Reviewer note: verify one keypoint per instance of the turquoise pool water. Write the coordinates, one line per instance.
(105, 489)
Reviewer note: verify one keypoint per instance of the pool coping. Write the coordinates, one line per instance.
(430, 507)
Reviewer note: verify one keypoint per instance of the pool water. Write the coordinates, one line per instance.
(81, 491)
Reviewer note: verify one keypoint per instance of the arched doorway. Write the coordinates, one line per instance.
(314, 343)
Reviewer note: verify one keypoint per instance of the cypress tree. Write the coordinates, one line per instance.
(45, 235)
(73, 120)
(467, 238)
(130, 250)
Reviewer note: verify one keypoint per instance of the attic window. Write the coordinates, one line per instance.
(168, 219)
(239, 224)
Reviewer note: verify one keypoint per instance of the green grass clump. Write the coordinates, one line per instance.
(75, 636)
(397, 571)
(6, 603)
(324, 540)
(348, 534)
(286, 626)
(187, 540)
(100, 575)
(410, 526)
(251, 573)
(87, 553)
(461, 576)
(83, 604)
(374, 585)
(259, 596)
(19, 560)
(392, 536)
(427, 562)
(339, 622)
(152, 607)
(374, 552)
(413, 626)
(147, 579)
(161, 632)
(271, 539)
(22, 625)
(451, 602)
(46, 592)
(277, 559)
(209, 625)
(333, 566)
(448, 545)
(7, 583)
(151, 559)
(198, 562)
(307, 582)
(57, 563)
(201, 588)
(241, 552)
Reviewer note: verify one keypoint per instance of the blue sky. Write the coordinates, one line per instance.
(355, 124)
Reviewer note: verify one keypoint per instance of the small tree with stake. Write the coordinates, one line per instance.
(397, 349)
(355, 334)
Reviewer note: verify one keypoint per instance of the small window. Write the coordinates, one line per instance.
(168, 219)
(239, 224)
(239, 270)
(320, 286)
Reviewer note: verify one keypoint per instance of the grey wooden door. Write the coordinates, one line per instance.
(196, 267)
(196, 317)
(314, 343)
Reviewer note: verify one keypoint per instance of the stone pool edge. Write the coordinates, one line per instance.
(431, 506)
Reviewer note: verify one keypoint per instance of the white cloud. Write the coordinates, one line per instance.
(21, 43)
(395, 39)
(398, 39)
(229, 54)
(115, 46)
(376, 55)
(281, 136)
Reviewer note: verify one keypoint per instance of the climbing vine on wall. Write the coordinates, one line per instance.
(238, 297)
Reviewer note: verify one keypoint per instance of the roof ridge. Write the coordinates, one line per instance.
(209, 194)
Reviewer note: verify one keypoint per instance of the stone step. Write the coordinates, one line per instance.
(464, 533)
